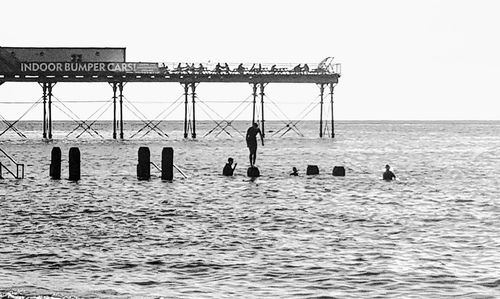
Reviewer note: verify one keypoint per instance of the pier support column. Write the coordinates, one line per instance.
(254, 87)
(193, 99)
(186, 96)
(120, 88)
(322, 92)
(114, 85)
(332, 86)
(49, 93)
(262, 86)
(44, 97)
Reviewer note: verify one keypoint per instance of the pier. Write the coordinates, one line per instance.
(50, 66)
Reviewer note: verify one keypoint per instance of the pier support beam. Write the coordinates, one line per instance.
(262, 86)
(193, 97)
(186, 96)
(332, 86)
(114, 85)
(49, 93)
(322, 92)
(120, 88)
(254, 87)
(44, 97)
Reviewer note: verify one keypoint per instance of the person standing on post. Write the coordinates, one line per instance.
(252, 142)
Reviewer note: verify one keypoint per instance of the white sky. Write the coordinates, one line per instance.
(400, 59)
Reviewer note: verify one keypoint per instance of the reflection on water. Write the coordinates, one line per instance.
(432, 233)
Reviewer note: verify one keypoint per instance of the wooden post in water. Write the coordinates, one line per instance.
(74, 164)
(143, 166)
(167, 164)
(338, 171)
(312, 170)
(55, 163)
(253, 172)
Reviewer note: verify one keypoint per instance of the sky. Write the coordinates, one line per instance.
(401, 60)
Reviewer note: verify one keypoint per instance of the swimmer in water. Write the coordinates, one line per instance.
(388, 174)
(228, 168)
(295, 172)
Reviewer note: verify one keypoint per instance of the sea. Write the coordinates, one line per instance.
(434, 232)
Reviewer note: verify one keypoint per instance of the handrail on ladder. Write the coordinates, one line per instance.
(19, 166)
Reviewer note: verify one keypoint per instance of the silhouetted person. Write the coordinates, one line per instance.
(388, 174)
(228, 169)
(252, 142)
(240, 68)
(306, 68)
(297, 68)
(295, 172)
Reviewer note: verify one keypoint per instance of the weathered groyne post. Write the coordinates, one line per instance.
(253, 172)
(74, 164)
(312, 169)
(338, 171)
(55, 163)
(167, 164)
(143, 166)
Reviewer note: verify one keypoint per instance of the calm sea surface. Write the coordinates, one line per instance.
(433, 233)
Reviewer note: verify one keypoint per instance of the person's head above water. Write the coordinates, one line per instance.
(294, 169)
(387, 167)
(230, 160)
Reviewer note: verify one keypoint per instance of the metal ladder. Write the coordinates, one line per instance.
(19, 167)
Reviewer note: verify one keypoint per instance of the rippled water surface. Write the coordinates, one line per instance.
(433, 233)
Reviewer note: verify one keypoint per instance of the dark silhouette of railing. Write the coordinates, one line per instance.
(19, 167)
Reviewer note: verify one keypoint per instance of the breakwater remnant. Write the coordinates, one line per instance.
(312, 169)
(74, 164)
(143, 165)
(338, 171)
(167, 164)
(253, 172)
(55, 163)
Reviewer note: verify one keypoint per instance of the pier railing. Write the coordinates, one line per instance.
(19, 167)
(212, 68)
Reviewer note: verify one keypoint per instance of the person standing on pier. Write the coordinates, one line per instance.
(252, 142)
